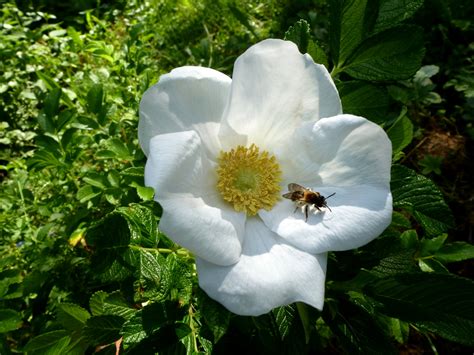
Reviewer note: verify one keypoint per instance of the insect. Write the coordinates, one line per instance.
(305, 197)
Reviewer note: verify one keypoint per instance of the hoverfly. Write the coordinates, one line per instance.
(305, 197)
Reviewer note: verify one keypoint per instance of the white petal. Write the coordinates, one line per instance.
(358, 215)
(193, 214)
(188, 98)
(274, 87)
(344, 150)
(270, 273)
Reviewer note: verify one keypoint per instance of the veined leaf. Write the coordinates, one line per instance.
(394, 54)
(103, 329)
(441, 303)
(422, 198)
(45, 341)
(300, 34)
(366, 100)
(350, 23)
(72, 316)
(392, 12)
(456, 251)
(401, 134)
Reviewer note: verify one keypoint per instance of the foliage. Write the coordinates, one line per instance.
(83, 263)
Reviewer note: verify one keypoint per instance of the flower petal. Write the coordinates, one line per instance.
(187, 98)
(358, 215)
(274, 87)
(193, 214)
(343, 150)
(270, 273)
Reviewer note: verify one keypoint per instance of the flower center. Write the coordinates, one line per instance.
(249, 179)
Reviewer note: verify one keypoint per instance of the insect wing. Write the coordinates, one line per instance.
(288, 195)
(295, 187)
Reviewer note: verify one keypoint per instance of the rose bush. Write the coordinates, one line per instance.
(221, 152)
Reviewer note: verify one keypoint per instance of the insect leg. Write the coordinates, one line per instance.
(306, 213)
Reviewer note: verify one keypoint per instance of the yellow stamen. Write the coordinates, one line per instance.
(248, 179)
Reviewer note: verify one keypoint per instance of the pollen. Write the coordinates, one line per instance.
(249, 179)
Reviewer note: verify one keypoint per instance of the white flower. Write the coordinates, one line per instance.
(220, 154)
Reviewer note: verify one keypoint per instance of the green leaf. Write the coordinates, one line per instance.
(95, 98)
(394, 54)
(366, 100)
(429, 246)
(9, 320)
(392, 12)
(115, 304)
(284, 318)
(49, 82)
(350, 23)
(432, 265)
(317, 53)
(300, 34)
(96, 303)
(45, 341)
(97, 180)
(51, 102)
(397, 263)
(441, 303)
(71, 316)
(87, 193)
(149, 320)
(457, 251)
(45, 122)
(103, 329)
(422, 198)
(357, 331)
(401, 134)
(141, 223)
(119, 148)
(145, 193)
(216, 317)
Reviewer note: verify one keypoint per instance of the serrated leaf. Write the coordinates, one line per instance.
(284, 318)
(457, 251)
(396, 263)
(422, 198)
(441, 303)
(9, 320)
(150, 320)
(103, 329)
(95, 98)
(141, 223)
(392, 12)
(350, 23)
(180, 280)
(145, 193)
(45, 341)
(394, 54)
(399, 220)
(401, 134)
(300, 34)
(71, 316)
(115, 304)
(96, 303)
(366, 100)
